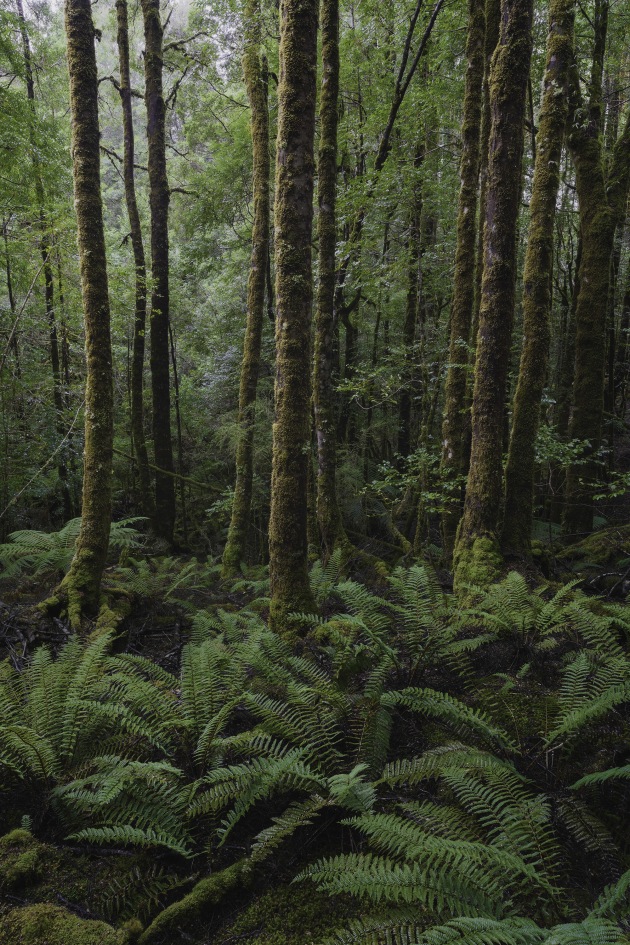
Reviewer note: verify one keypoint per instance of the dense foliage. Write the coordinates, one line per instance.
(314, 472)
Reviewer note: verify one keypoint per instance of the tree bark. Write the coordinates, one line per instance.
(602, 206)
(454, 425)
(493, 17)
(476, 558)
(328, 514)
(405, 402)
(519, 473)
(45, 252)
(81, 587)
(159, 196)
(288, 551)
(256, 81)
(139, 325)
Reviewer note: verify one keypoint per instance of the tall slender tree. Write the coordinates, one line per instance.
(476, 551)
(328, 514)
(47, 269)
(297, 92)
(80, 589)
(405, 403)
(255, 72)
(137, 245)
(602, 200)
(454, 425)
(159, 195)
(519, 473)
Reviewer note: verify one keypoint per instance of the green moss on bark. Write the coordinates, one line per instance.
(81, 586)
(288, 546)
(454, 425)
(508, 84)
(519, 474)
(478, 564)
(602, 206)
(328, 514)
(139, 326)
(159, 197)
(256, 80)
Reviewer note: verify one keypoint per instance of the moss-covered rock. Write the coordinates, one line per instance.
(22, 860)
(288, 915)
(40, 872)
(602, 548)
(45, 924)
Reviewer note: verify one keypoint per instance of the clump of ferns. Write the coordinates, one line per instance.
(320, 739)
(411, 631)
(470, 837)
(472, 853)
(167, 579)
(79, 760)
(545, 627)
(36, 553)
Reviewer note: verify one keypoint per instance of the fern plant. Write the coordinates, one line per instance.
(39, 552)
(165, 578)
(60, 716)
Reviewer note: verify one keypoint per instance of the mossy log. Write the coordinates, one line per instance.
(205, 895)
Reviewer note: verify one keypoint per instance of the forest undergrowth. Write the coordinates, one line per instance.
(409, 769)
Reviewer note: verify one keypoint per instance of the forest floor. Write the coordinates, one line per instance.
(408, 768)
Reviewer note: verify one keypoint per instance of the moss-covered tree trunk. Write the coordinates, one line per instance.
(139, 325)
(80, 588)
(602, 203)
(519, 473)
(621, 367)
(256, 81)
(290, 590)
(328, 515)
(159, 195)
(45, 252)
(476, 551)
(405, 402)
(454, 424)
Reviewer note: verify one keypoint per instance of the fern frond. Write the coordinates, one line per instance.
(437, 888)
(599, 777)
(463, 931)
(450, 711)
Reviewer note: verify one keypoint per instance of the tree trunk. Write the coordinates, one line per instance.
(328, 515)
(602, 205)
(45, 251)
(519, 473)
(454, 425)
(476, 556)
(137, 360)
(81, 586)
(411, 313)
(159, 199)
(256, 81)
(288, 551)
